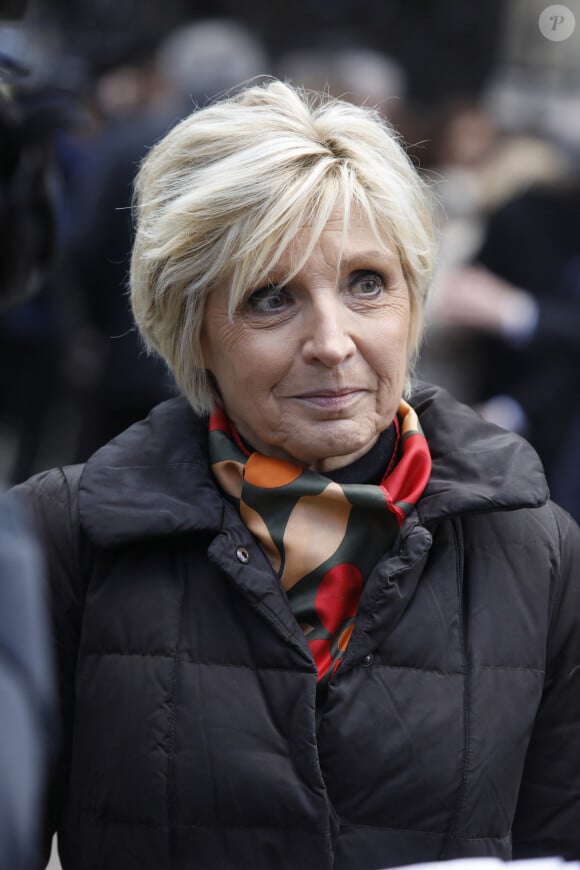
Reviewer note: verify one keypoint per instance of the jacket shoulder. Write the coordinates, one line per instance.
(51, 497)
(564, 646)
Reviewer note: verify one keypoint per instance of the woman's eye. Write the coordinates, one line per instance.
(367, 284)
(269, 300)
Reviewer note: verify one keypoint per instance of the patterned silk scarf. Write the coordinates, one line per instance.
(322, 538)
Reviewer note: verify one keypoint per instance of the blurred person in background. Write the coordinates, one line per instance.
(138, 103)
(27, 702)
(520, 300)
(350, 72)
(309, 613)
(30, 336)
(476, 166)
(505, 308)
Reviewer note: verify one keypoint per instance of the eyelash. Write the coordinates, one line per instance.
(265, 294)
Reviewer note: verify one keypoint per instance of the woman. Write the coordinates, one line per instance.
(305, 615)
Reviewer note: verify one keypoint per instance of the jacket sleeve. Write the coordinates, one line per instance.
(52, 497)
(547, 821)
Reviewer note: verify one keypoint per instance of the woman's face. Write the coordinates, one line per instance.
(313, 370)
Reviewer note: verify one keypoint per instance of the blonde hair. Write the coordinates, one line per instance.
(223, 194)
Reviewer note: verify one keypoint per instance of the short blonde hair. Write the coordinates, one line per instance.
(223, 194)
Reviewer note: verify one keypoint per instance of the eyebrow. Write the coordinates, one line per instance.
(348, 261)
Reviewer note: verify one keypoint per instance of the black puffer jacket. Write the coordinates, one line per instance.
(452, 727)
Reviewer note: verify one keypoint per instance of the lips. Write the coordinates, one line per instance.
(331, 398)
(331, 393)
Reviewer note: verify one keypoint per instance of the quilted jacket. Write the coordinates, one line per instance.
(451, 728)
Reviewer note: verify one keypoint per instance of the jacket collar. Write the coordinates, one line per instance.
(477, 466)
(154, 479)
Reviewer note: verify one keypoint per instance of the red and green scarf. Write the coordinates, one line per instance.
(322, 538)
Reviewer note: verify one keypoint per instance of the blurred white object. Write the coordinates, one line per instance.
(496, 864)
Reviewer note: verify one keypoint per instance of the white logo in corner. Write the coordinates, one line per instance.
(557, 22)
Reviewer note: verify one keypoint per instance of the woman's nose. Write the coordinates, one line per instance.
(327, 337)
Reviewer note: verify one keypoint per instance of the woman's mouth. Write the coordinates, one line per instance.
(331, 399)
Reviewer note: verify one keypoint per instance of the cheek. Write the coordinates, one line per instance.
(390, 348)
(225, 353)
(263, 358)
(247, 372)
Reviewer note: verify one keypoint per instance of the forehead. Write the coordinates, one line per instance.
(343, 237)
(352, 219)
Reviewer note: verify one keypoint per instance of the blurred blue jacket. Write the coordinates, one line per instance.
(27, 708)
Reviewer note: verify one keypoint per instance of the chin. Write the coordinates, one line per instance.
(329, 454)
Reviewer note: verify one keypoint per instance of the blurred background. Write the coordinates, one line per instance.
(486, 95)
